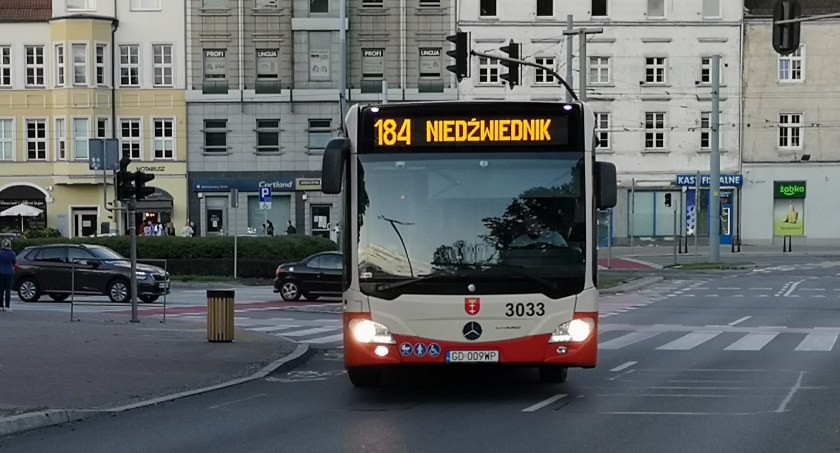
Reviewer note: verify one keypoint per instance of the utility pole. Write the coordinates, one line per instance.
(342, 74)
(132, 230)
(570, 25)
(584, 64)
(714, 174)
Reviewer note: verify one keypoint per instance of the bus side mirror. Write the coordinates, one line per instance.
(332, 167)
(606, 194)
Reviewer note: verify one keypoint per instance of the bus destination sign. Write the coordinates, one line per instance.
(413, 132)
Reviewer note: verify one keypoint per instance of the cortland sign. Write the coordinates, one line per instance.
(788, 189)
(736, 180)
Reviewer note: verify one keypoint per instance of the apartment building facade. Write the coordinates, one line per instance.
(649, 81)
(74, 70)
(263, 98)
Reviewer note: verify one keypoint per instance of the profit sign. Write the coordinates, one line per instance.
(475, 131)
(789, 189)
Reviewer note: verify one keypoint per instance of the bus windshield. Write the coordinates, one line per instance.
(503, 222)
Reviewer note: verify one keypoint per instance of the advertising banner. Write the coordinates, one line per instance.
(789, 208)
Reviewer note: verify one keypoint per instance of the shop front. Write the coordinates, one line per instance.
(23, 195)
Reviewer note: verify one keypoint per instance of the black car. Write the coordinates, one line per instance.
(314, 276)
(58, 269)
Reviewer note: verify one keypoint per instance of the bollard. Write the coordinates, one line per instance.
(787, 244)
(220, 315)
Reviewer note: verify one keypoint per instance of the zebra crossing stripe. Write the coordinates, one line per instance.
(818, 342)
(626, 340)
(751, 342)
(327, 339)
(304, 332)
(273, 328)
(689, 341)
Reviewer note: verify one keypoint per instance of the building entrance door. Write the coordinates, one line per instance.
(84, 222)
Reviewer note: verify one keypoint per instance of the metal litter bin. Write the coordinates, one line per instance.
(220, 315)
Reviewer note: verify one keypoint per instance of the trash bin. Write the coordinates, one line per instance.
(220, 315)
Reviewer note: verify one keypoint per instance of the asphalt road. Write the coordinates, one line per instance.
(741, 361)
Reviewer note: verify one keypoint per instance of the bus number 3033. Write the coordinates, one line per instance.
(529, 309)
(389, 132)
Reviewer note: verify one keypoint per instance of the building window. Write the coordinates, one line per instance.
(706, 70)
(705, 130)
(214, 64)
(655, 131)
(163, 65)
(215, 136)
(145, 5)
(80, 58)
(81, 135)
(488, 71)
(430, 61)
(319, 6)
(373, 63)
(711, 8)
(599, 70)
(130, 65)
(656, 8)
(599, 8)
(59, 65)
(60, 139)
(130, 138)
(101, 52)
(267, 4)
(541, 76)
(7, 139)
(214, 4)
(372, 4)
(488, 8)
(320, 44)
(34, 66)
(602, 131)
(81, 5)
(164, 138)
(320, 132)
(545, 8)
(790, 130)
(102, 128)
(36, 140)
(792, 67)
(268, 136)
(655, 70)
(5, 66)
(268, 64)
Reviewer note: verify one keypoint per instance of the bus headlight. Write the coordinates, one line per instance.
(367, 331)
(576, 330)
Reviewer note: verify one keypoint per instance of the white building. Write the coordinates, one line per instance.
(649, 80)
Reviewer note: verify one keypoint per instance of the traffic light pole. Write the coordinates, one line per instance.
(582, 58)
(132, 230)
(528, 63)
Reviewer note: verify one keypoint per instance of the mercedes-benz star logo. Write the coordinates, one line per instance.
(472, 330)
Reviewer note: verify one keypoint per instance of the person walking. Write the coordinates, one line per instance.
(269, 228)
(187, 231)
(8, 260)
(291, 228)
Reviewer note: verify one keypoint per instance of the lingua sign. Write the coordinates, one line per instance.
(788, 189)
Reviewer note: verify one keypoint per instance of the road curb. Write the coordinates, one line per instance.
(632, 285)
(35, 420)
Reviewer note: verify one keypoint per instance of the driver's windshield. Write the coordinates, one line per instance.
(507, 222)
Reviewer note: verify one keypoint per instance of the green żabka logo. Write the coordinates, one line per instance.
(790, 190)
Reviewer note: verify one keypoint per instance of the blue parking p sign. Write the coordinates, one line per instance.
(265, 194)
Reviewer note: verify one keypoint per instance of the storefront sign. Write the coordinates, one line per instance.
(788, 189)
(308, 183)
(244, 185)
(730, 180)
(157, 169)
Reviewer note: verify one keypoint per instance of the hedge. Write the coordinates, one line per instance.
(258, 257)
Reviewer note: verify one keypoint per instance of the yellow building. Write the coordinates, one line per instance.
(61, 67)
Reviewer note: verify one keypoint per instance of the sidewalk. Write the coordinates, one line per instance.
(53, 370)
(658, 256)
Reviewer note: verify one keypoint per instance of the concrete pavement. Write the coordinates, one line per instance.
(53, 370)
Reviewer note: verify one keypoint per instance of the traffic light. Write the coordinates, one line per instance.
(461, 54)
(125, 181)
(668, 200)
(786, 36)
(513, 51)
(140, 189)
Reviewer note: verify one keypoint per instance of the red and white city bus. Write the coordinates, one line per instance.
(469, 235)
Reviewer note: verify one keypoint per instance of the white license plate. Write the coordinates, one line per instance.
(163, 285)
(472, 356)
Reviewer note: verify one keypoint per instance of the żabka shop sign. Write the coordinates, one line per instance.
(789, 189)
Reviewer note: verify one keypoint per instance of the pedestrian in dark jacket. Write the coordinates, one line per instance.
(269, 228)
(291, 228)
(8, 260)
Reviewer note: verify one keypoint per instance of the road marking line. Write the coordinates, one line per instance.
(689, 341)
(544, 403)
(218, 406)
(626, 340)
(740, 320)
(751, 342)
(623, 367)
(304, 332)
(818, 342)
(813, 289)
(729, 287)
(760, 289)
(273, 328)
(328, 339)
(792, 288)
(792, 392)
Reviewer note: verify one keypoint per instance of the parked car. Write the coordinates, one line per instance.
(57, 269)
(313, 277)
(12, 236)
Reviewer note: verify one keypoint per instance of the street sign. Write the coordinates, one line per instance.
(103, 154)
(265, 205)
(265, 196)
